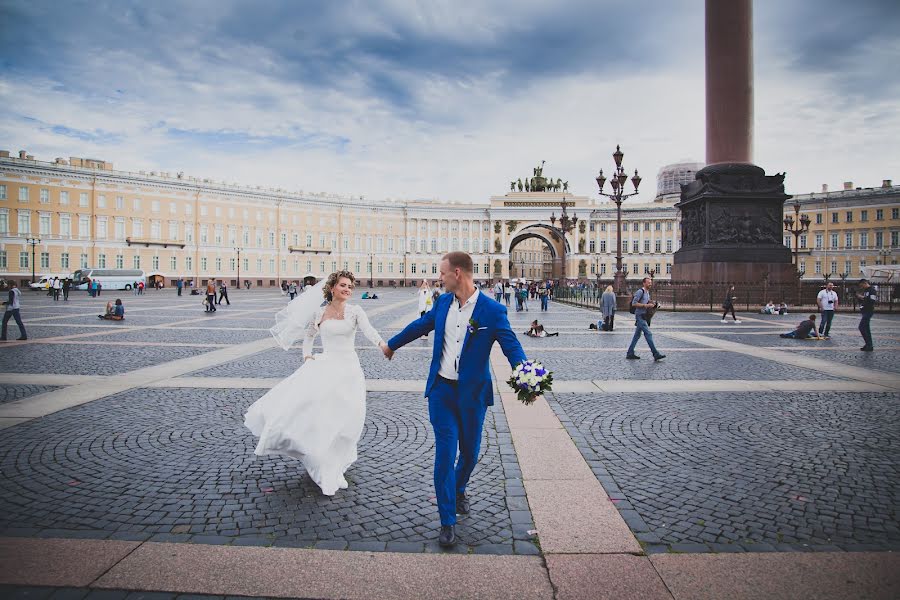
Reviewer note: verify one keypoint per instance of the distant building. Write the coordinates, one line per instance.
(671, 177)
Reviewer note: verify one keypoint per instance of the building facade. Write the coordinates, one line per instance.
(59, 216)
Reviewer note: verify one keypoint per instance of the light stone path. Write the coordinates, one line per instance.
(588, 549)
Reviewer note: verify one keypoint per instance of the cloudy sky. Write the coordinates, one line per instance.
(439, 99)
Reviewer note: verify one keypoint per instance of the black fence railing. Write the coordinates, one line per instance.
(695, 296)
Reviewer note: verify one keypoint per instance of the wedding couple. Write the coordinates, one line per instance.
(317, 414)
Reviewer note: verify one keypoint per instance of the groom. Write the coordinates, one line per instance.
(459, 389)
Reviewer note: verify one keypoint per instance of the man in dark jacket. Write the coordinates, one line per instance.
(804, 330)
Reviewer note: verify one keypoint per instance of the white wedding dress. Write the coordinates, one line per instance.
(317, 414)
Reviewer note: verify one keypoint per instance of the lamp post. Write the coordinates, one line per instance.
(844, 276)
(617, 182)
(238, 250)
(34, 242)
(566, 225)
(797, 225)
(884, 255)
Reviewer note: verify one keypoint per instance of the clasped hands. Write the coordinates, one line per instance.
(386, 350)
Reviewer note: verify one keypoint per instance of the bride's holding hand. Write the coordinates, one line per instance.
(317, 414)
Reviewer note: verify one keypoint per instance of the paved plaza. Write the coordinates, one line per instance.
(123, 452)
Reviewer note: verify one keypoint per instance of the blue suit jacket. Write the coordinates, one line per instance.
(474, 363)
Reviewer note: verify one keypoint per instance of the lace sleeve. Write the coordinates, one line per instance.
(362, 322)
(311, 330)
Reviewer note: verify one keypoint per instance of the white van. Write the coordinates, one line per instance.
(43, 282)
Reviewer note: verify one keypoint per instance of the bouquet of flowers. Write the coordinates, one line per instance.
(529, 380)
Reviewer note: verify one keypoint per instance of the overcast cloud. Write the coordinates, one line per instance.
(437, 99)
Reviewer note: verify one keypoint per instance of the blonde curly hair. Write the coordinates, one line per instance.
(333, 281)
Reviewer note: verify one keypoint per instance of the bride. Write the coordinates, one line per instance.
(317, 414)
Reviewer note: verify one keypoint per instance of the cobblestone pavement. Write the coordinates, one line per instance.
(12, 592)
(8, 393)
(688, 472)
(178, 465)
(736, 472)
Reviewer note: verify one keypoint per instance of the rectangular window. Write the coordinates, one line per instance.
(4, 221)
(863, 215)
(45, 260)
(834, 241)
(188, 263)
(136, 204)
(602, 245)
(173, 263)
(120, 228)
(658, 246)
(101, 201)
(154, 206)
(44, 223)
(155, 262)
(834, 267)
(895, 213)
(834, 217)
(23, 193)
(818, 267)
(101, 228)
(819, 241)
(635, 246)
(120, 202)
(818, 218)
(45, 196)
(3, 191)
(849, 216)
(101, 261)
(83, 200)
(155, 228)
(592, 246)
(64, 260)
(879, 239)
(136, 261)
(218, 264)
(137, 228)
(647, 246)
(895, 239)
(83, 261)
(173, 230)
(120, 261)
(848, 240)
(803, 242)
(863, 240)
(879, 214)
(173, 208)
(64, 198)
(24, 222)
(669, 246)
(23, 260)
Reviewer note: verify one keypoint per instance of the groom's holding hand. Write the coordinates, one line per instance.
(459, 389)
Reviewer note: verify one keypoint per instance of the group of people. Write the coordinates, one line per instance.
(504, 291)
(827, 302)
(57, 286)
(210, 302)
(774, 309)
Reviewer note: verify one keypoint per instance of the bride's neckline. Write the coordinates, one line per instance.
(344, 318)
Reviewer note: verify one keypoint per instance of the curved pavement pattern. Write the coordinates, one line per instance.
(126, 466)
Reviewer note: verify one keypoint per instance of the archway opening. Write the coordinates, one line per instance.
(533, 258)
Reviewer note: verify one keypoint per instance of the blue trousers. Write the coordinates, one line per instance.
(14, 314)
(865, 328)
(458, 423)
(825, 324)
(545, 302)
(641, 327)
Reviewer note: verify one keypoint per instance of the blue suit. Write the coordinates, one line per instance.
(457, 410)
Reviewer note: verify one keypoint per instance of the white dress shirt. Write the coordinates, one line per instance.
(827, 299)
(455, 328)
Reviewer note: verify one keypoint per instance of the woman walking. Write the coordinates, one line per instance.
(728, 305)
(425, 299)
(608, 308)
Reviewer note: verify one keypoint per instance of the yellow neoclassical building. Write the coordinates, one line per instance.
(62, 215)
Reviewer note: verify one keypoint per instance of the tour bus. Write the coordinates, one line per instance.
(110, 279)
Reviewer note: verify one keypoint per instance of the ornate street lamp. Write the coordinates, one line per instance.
(566, 225)
(238, 250)
(617, 181)
(797, 225)
(34, 242)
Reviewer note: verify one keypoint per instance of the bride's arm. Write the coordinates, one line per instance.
(362, 321)
(311, 330)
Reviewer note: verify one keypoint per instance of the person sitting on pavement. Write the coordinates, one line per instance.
(768, 309)
(782, 309)
(805, 330)
(537, 330)
(114, 312)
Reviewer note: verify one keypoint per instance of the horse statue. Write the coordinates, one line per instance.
(520, 184)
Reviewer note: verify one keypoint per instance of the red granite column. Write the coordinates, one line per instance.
(729, 81)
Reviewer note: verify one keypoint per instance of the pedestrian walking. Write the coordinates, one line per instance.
(507, 292)
(498, 291)
(728, 305)
(425, 300)
(179, 284)
(523, 292)
(66, 286)
(210, 296)
(292, 290)
(223, 294)
(867, 298)
(827, 299)
(99, 287)
(608, 308)
(140, 288)
(57, 288)
(13, 304)
(544, 295)
(643, 308)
